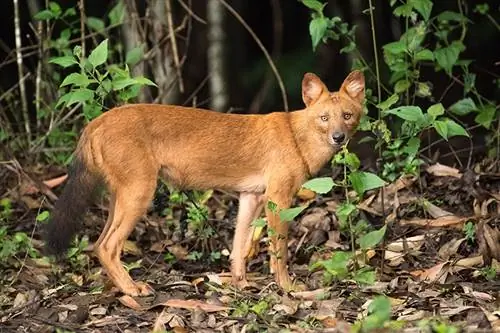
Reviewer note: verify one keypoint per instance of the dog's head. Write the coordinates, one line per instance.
(334, 115)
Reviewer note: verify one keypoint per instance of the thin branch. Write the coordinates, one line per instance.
(173, 41)
(191, 13)
(81, 7)
(19, 57)
(263, 49)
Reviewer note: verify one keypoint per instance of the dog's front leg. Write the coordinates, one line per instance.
(250, 207)
(281, 195)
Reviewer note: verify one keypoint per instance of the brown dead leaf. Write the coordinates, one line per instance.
(395, 258)
(467, 263)
(317, 218)
(50, 183)
(159, 247)
(192, 304)
(171, 320)
(179, 252)
(441, 170)
(409, 244)
(450, 248)
(131, 247)
(310, 294)
(327, 308)
(435, 211)
(445, 221)
(435, 273)
(306, 194)
(492, 237)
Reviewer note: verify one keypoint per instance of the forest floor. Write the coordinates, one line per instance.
(441, 267)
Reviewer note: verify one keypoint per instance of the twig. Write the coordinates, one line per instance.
(263, 49)
(191, 13)
(173, 41)
(19, 57)
(379, 96)
(81, 7)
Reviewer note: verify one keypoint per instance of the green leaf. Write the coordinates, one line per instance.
(352, 161)
(395, 47)
(463, 107)
(401, 86)
(121, 83)
(372, 239)
(320, 185)
(409, 113)
(134, 55)
(364, 181)
(77, 79)
(424, 55)
(403, 10)
(317, 29)
(486, 115)
(451, 16)
(345, 210)
(141, 80)
(117, 14)
(259, 223)
(455, 129)
(288, 214)
(447, 56)
(388, 102)
(441, 128)
(55, 8)
(337, 265)
(99, 55)
(65, 61)
(95, 24)
(44, 15)
(424, 7)
(43, 216)
(314, 5)
(412, 146)
(80, 96)
(435, 110)
(365, 276)
(379, 313)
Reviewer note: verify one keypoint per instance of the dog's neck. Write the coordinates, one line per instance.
(315, 150)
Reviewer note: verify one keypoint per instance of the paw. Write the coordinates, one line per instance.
(144, 289)
(138, 289)
(240, 282)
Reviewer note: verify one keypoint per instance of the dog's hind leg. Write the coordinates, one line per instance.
(127, 204)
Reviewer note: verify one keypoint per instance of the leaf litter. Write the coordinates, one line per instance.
(432, 267)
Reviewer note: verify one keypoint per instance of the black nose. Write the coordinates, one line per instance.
(338, 137)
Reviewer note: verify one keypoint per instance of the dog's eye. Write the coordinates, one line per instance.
(347, 116)
(324, 118)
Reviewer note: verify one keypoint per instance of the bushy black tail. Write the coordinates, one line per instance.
(67, 217)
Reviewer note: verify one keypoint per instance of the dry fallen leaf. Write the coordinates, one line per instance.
(192, 304)
(450, 248)
(445, 221)
(441, 170)
(435, 273)
(310, 294)
(131, 247)
(409, 243)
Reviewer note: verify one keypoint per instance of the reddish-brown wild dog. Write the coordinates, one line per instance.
(263, 157)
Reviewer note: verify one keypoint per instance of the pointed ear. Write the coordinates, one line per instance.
(354, 85)
(312, 89)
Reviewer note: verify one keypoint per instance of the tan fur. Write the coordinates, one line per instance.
(264, 157)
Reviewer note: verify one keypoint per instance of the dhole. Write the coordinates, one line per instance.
(263, 157)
